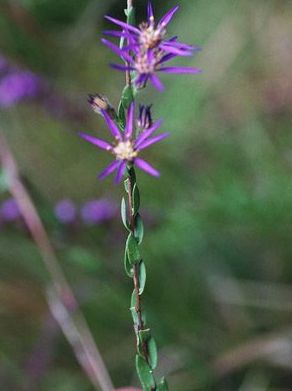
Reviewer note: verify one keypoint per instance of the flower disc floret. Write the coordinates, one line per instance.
(150, 37)
(125, 151)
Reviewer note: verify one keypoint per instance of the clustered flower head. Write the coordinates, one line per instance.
(145, 50)
(148, 48)
(127, 145)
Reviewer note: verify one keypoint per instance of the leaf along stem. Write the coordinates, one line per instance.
(136, 268)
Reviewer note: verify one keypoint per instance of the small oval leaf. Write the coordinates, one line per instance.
(139, 228)
(152, 351)
(136, 199)
(121, 116)
(124, 214)
(127, 97)
(142, 277)
(128, 267)
(145, 373)
(133, 308)
(133, 250)
(162, 386)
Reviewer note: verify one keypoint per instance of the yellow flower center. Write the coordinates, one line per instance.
(125, 151)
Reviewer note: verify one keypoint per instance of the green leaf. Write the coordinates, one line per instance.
(142, 277)
(128, 267)
(162, 386)
(133, 308)
(121, 116)
(124, 214)
(143, 337)
(127, 97)
(139, 228)
(152, 351)
(132, 174)
(126, 185)
(132, 250)
(136, 199)
(145, 373)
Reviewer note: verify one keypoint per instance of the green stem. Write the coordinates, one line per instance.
(142, 332)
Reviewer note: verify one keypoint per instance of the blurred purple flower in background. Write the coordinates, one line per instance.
(97, 211)
(9, 211)
(65, 211)
(18, 85)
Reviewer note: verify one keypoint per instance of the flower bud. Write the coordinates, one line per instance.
(100, 103)
(145, 118)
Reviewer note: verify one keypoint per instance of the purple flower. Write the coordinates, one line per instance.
(9, 210)
(65, 211)
(126, 146)
(17, 86)
(97, 211)
(148, 49)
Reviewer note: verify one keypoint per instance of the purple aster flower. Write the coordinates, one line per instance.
(97, 211)
(146, 64)
(9, 210)
(65, 211)
(150, 35)
(148, 49)
(17, 86)
(126, 147)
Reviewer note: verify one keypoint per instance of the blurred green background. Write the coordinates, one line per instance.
(218, 233)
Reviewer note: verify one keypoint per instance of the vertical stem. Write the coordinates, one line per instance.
(128, 73)
(136, 269)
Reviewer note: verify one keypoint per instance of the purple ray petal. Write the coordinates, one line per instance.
(121, 171)
(96, 141)
(174, 50)
(150, 14)
(180, 70)
(123, 25)
(115, 33)
(120, 52)
(141, 79)
(157, 83)
(112, 126)
(179, 44)
(167, 57)
(143, 165)
(153, 140)
(109, 169)
(130, 121)
(120, 67)
(146, 133)
(168, 16)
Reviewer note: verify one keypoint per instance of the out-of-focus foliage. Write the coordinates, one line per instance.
(218, 225)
